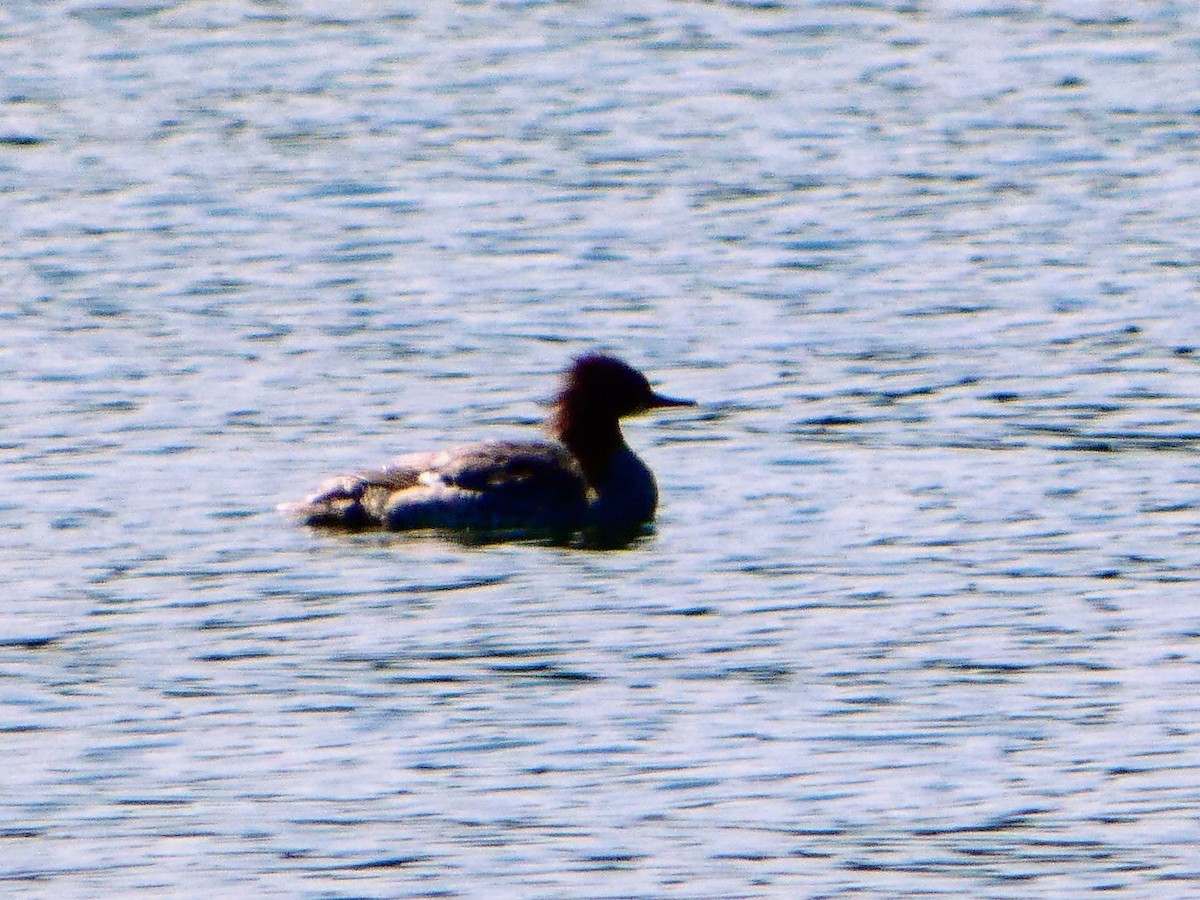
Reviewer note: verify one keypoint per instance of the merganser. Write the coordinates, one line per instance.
(587, 479)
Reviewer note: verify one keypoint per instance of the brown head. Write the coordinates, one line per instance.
(598, 391)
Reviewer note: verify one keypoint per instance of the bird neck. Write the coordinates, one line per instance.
(624, 487)
(595, 443)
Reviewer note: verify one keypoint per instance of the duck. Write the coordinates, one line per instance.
(584, 479)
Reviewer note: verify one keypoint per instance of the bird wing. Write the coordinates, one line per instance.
(529, 471)
(495, 464)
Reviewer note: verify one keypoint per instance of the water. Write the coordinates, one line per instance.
(919, 615)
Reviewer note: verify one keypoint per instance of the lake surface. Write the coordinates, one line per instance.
(919, 616)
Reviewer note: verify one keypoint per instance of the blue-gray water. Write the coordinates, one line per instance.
(920, 615)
